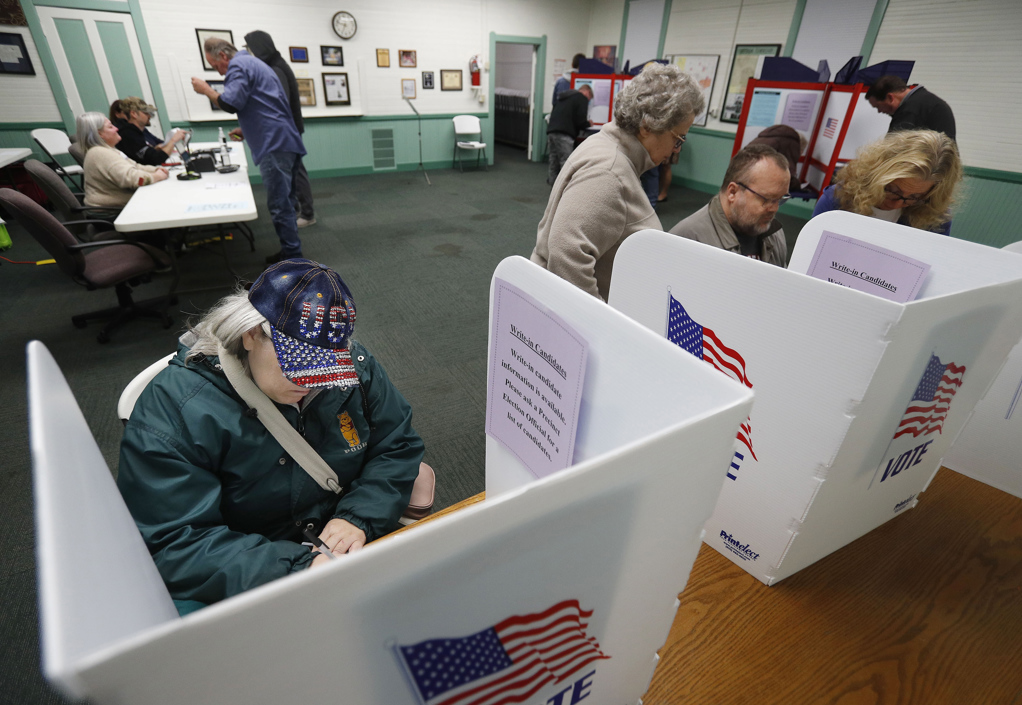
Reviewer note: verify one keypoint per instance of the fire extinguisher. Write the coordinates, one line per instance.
(473, 68)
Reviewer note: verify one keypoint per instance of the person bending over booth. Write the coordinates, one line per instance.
(598, 201)
(908, 177)
(221, 506)
(111, 177)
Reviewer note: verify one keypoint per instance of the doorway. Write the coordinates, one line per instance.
(516, 92)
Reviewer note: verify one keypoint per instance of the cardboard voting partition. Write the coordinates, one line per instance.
(839, 439)
(989, 448)
(605, 89)
(553, 590)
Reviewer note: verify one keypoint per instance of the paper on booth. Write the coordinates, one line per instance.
(537, 366)
(866, 267)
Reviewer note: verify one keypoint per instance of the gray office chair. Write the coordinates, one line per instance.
(119, 263)
(86, 222)
(76, 153)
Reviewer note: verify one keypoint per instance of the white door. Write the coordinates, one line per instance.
(98, 57)
(532, 103)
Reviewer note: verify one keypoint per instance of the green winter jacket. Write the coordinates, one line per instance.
(219, 503)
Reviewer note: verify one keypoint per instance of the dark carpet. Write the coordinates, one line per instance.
(418, 260)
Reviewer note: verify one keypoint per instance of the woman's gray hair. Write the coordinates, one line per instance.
(225, 324)
(658, 99)
(87, 127)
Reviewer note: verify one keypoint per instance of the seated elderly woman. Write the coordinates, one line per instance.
(110, 177)
(221, 506)
(908, 177)
(598, 200)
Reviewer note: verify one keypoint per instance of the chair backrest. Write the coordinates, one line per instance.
(97, 582)
(1014, 247)
(52, 141)
(75, 150)
(54, 187)
(47, 230)
(467, 125)
(131, 393)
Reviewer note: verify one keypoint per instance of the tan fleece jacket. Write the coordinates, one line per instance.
(111, 178)
(597, 201)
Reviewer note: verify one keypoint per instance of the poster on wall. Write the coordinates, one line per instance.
(335, 89)
(703, 69)
(13, 55)
(217, 86)
(306, 92)
(606, 53)
(203, 34)
(743, 67)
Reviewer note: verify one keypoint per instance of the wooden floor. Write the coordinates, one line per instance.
(925, 609)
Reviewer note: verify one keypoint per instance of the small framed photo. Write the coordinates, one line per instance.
(217, 86)
(332, 56)
(427, 80)
(203, 34)
(306, 92)
(383, 58)
(13, 55)
(406, 58)
(407, 87)
(335, 89)
(450, 79)
(299, 55)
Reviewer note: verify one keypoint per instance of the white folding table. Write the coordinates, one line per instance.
(13, 154)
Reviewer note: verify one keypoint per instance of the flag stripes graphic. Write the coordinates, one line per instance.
(932, 399)
(506, 663)
(702, 342)
(830, 128)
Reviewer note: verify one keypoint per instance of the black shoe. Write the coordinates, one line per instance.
(275, 257)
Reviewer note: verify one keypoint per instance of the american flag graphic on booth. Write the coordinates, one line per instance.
(506, 663)
(830, 128)
(932, 399)
(702, 342)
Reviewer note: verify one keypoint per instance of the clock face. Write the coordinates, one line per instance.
(344, 25)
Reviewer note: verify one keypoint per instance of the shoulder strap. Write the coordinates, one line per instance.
(290, 440)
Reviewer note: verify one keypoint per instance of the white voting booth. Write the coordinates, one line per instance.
(990, 446)
(830, 450)
(590, 558)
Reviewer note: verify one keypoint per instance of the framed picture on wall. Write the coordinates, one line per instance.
(743, 67)
(335, 89)
(203, 34)
(306, 92)
(13, 55)
(217, 86)
(427, 80)
(407, 87)
(383, 58)
(299, 55)
(332, 56)
(606, 53)
(406, 58)
(450, 79)
(703, 69)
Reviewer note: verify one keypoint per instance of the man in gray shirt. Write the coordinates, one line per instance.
(740, 218)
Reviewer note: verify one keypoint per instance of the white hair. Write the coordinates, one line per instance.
(87, 126)
(225, 324)
(658, 98)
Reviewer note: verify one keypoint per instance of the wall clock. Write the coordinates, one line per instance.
(344, 25)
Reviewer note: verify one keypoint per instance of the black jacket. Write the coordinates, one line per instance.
(260, 44)
(570, 114)
(134, 144)
(923, 111)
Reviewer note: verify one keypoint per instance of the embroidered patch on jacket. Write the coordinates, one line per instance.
(348, 429)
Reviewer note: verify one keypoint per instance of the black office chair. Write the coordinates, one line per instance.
(116, 263)
(85, 222)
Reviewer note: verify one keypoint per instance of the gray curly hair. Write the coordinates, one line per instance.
(87, 127)
(658, 98)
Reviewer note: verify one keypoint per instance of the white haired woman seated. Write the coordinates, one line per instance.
(111, 177)
(597, 200)
(221, 506)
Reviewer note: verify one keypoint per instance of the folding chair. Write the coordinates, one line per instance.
(55, 143)
(466, 126)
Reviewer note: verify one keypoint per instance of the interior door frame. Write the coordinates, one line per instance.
(129, 7)
(538, 124)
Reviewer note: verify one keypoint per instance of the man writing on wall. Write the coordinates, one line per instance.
(132, 128)
(910, 107)
(740, 218)
(252, 90)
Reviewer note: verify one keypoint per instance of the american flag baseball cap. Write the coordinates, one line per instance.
(311, 316)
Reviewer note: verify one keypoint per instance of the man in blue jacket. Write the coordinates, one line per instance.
(254, 92)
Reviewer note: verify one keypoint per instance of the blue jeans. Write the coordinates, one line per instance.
(277, 170)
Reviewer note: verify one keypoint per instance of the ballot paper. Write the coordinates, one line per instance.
(537, 367)
(866, 267)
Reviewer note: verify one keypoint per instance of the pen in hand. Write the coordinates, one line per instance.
(318, 543)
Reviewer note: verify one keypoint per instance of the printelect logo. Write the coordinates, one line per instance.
(904, 503)
(737, 547)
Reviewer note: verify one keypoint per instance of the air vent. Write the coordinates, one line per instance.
(383, 150)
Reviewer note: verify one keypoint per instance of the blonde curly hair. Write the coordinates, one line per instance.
(909, 154)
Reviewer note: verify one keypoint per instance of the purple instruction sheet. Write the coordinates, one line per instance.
(537, 367)
(866, 267)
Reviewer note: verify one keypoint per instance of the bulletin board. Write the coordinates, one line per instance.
(605, 89)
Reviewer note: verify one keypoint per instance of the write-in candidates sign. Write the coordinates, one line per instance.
(537, 367)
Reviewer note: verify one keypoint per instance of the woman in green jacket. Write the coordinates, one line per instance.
(221, 506)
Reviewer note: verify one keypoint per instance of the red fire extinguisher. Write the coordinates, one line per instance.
(473, 68)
